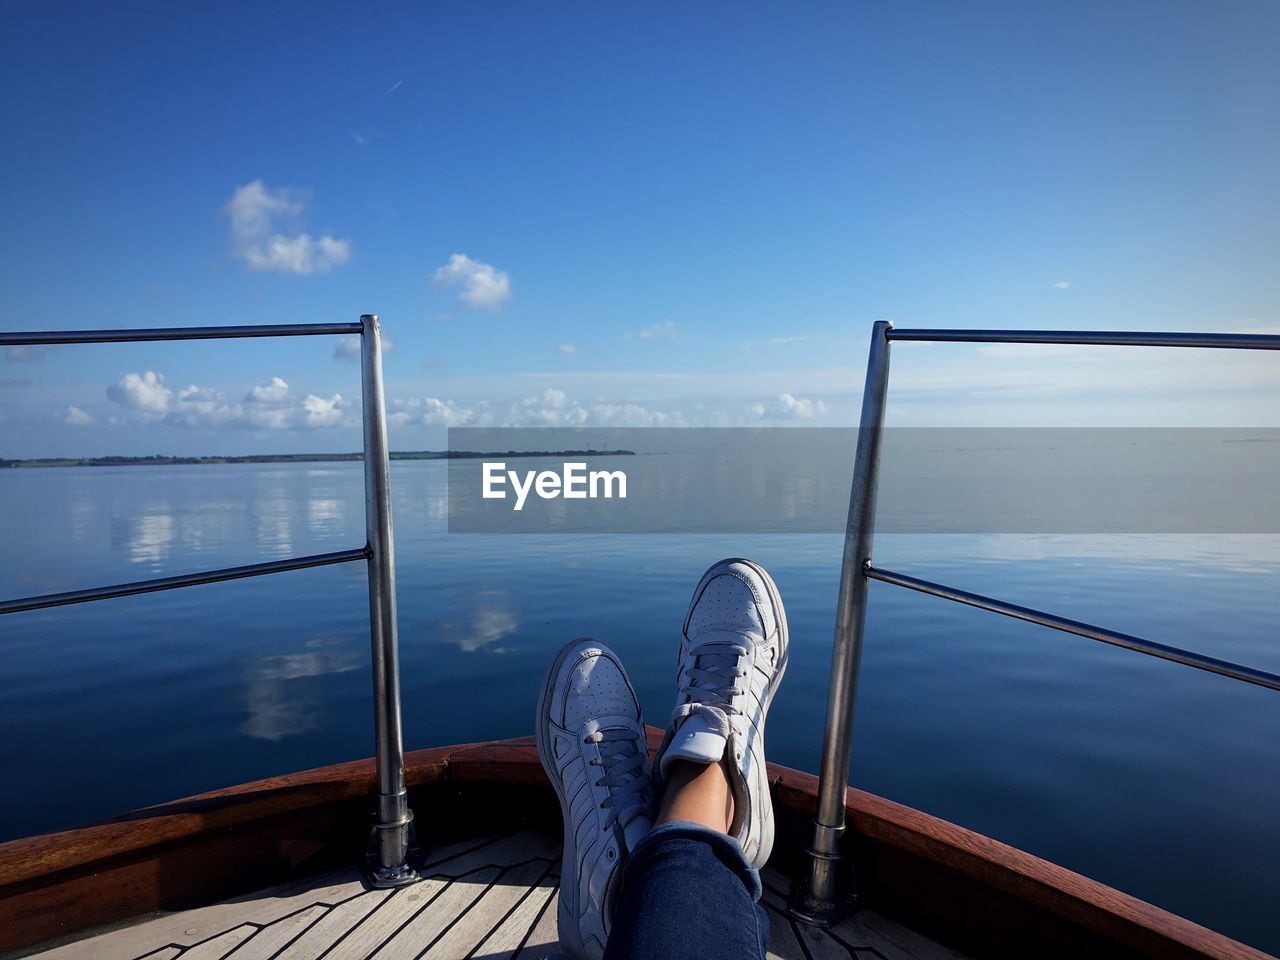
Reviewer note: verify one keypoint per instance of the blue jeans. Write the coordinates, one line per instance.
(688, 893)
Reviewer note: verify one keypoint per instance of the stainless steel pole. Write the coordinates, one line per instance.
(817, 901)
(391, 845)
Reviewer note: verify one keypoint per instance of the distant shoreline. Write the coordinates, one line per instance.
(157, 461)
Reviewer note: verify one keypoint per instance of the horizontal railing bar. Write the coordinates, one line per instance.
(1212, 664)
(140, 334)
(1227, 341)
(183, 580)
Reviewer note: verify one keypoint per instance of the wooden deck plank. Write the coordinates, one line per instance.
(782, 941)
(812, 941)
(192, 926)
(544, 940)
(817, 945)
(271, 939)
(216, 948)
(425, 928)
(866, 928)
(503, 942)
(484, 915)
(492, 898)
(335, 924)
(393, 913)
(499, 852)
(437, 855)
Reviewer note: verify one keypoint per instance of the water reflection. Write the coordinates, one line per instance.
(277, 703)
(81, 513)
(323, 512)
(488, 622)
(271, 519)
(146, 538)
(206, 525)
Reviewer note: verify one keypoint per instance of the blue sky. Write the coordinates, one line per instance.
(587, 213)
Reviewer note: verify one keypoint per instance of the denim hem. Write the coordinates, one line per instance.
(727, 848)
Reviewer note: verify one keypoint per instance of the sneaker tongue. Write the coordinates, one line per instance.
(635, 829)
(695, 741)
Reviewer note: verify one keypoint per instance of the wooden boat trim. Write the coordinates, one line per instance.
(1065, 893)
(32, 868)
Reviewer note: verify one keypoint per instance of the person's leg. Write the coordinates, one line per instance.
(688, 891)
(698, 793)
(692, 889)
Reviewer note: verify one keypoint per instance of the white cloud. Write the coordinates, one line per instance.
(144, 392)
(662, 330)
(255, 211)
(77, 417)
(320, 412)
(567, 349)
(550, 408)
(788, 407)
(483, 285)
(266, 406)
(431, 412)
(273, 393)
(359, 138)
(348, 348)
(1061, 285)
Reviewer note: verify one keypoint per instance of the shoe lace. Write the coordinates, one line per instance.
(622, 760)
(712, 683)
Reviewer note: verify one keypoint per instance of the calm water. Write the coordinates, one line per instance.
(1157, 779)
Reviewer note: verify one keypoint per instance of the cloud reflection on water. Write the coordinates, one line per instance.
(279, 701)
(484, 626)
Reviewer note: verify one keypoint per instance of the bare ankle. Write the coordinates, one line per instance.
(698, 793)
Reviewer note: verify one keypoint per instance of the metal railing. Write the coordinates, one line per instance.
(818, 899)
(389, 855)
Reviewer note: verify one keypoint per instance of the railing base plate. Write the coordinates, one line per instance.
(385, 878)
(817, 913)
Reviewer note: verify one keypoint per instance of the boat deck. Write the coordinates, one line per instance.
(486, 898)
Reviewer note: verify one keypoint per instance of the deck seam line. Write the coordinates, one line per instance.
(795, 932)
(491, 866)
(467, 909)
(555, 891)
(374, 912)
(428, 865)
(350, 930)
(299, 934)
(516, 906)
(182, 950)
(852, 948)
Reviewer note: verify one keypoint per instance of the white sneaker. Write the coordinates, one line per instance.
(732, 658)
(592, 745)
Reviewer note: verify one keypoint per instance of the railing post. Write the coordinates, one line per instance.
(816, 900)
(389, 855)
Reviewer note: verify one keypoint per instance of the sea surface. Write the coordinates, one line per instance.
(1155, 778)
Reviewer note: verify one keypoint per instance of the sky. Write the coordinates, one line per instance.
(609, 215)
